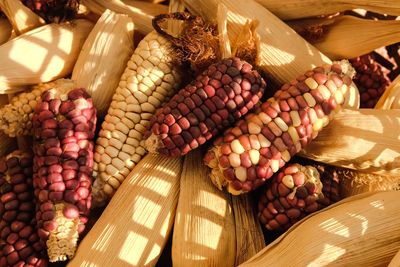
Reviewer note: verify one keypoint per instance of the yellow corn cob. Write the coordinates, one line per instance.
(52, 49)
(150, 77)
(5, 30)
(134, 227)
(141, 12)
(103, 58)
(16, 117)
(21, 17)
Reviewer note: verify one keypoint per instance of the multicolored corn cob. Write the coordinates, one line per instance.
(19, 243)
(295, 192)
(63, 127)
(220, 95)
(16, 117)
(252, 151)
(370, 80)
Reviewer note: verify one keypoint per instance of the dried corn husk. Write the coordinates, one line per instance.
(391, 97)
(294, 9)
(134, 227)
(21, 17)
(362, 230)
(284, 58)
(249, 235)
(365, 140)
(141, 13)
(5, 30)
(52, 49)
(350, 37)
(103, 58)
(204, 230)
(395, 262)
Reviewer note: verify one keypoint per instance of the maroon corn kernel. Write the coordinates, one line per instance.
(275, 133)
(302, 190)
(220, 95)
(370, 80)
(62, 155)
(19, 242)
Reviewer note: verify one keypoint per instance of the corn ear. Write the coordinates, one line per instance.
(141, 13)
(7, 144)
(283, 58)
(294, 9)
(391, 97)
(103, 58)
(21, 17)
(364, 140)
(5, 30)
(362, 230)
(350, 37)
(249, 235)
(204, 230)
(52, 49)
(134, 227)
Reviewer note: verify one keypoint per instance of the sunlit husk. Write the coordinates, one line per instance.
(204, 229)
(135, 226)
(5, 30)
(293, 9)
(21, 17)
(395, 262)
(52, 49)
(362, 230)
(365, 140)
(103, 58)
(141, 13)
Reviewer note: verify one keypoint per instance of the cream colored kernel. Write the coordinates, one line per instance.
(237, 147)
(241, 173)
(309, 99)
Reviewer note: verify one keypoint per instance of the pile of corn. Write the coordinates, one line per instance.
(114, 115)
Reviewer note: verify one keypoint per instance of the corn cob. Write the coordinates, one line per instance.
(20, 245)
(370, 80)
(220, 95)
(260, 144)
(362, 230)
(63, 127)
(295, 192)
(16, 117)
(5, 30)
(48, 60)
(21, 17)
(103, 58)
(149, 78)
(135, 226)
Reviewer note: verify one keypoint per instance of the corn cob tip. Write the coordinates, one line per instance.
(346, 67)
(153, 143)
(99, 197)
(61, 243)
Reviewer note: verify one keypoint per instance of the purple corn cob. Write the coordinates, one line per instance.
(64, 126)
(220, 95)
(19, 243)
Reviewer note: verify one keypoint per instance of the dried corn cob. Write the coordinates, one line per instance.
(16, 117)
(220, 95)
(295, 192)
(63, 127)
(260, 144)
(20, 245)
(149, 78)
(370, 80)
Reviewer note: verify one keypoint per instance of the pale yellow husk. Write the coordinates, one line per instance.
(103, 58)
(5, 30)
(365, 140)
(283, 58)
(249, 235)
(21, 17)
(362, 230)
(204, 229)
(41, 55)
(391, 97)
(349, 37)
(141, 13)
(293, 9)
(135, 226)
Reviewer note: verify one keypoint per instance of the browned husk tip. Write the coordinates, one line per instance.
(247, 45)
(197, 42)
